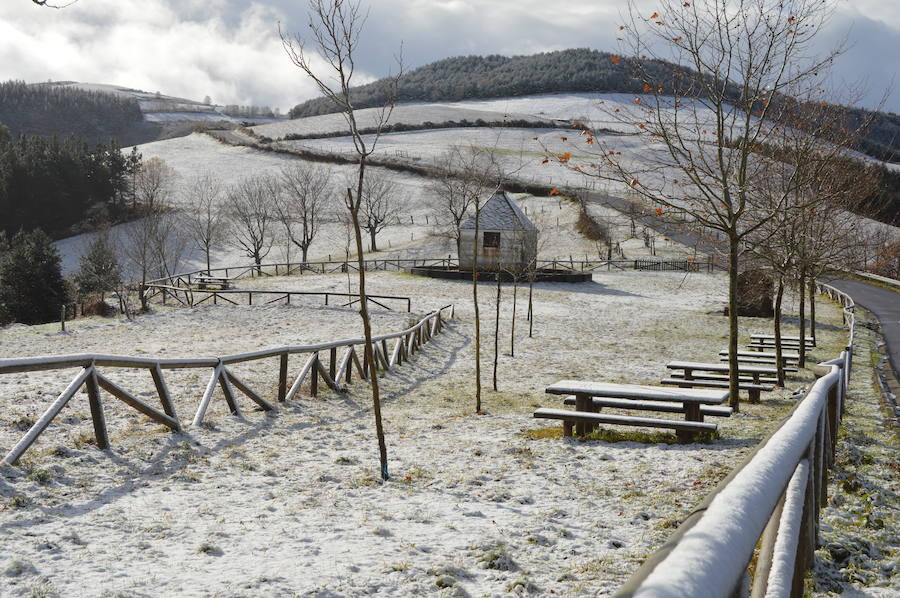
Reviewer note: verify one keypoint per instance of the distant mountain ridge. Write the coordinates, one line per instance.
(97, 113)
(574, 70)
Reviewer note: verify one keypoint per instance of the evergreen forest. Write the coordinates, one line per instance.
(61, 185)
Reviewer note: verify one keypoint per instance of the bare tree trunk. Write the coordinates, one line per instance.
(497, 331)
(812, 309)
(367, 327)
(802, 318)
(477, 317)
(779, 363)
(512, 330)
(530, 306)
(372, 240)
(304, 251)
(733, 380)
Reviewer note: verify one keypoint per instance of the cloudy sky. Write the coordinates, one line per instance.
(229, 49)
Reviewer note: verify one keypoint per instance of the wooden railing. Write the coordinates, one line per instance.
(189, 296)
(334, 372)
(185, 280)
(772, 500)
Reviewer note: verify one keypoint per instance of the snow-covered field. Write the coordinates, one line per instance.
(199, 155)
(409, 114)
(289, 504)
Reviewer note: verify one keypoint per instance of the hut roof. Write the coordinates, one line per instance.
(500, 213)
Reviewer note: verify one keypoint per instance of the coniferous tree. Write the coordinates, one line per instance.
(100, 271)
(33, 288)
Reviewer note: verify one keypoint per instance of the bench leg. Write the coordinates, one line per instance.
(567, 429)
(754, 395)
(684, 436)
(692, 412)
(582, 403)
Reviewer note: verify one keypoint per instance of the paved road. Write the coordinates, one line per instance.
(885, 305)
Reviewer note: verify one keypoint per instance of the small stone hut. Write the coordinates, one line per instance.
(507, 239)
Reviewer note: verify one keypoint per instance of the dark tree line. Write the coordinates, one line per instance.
(473, 77)
(61, 186)
(44, 109)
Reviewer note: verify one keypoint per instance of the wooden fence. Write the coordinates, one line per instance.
(185, 281)
(190, 296)
(772, 500)
(333, 372)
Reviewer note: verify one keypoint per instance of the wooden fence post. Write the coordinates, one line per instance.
(332, 363)
(99, 421)
(282, 376)
(163, 391)
(314, 380)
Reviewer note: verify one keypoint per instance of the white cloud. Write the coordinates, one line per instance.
(187, 49)
(229, 49)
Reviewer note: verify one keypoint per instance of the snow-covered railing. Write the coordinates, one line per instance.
(772, 499)
(333, 372)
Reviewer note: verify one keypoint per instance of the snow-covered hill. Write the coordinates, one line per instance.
(158, 107)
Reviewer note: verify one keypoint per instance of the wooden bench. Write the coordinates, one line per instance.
(770, 339)
(705, 376)
(685, 430)
(762, 357)
(690, 367)
(219, 282)
(752, 389)
(630, 404)
(764, 347)
(789, 366)
(590, 397)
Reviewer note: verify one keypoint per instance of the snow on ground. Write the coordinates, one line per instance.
(410, 114)
(289, 503)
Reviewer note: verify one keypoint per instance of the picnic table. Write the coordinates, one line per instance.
(590, 397)
(203, 281)
(690, 378)
(761, 357)
(767, 341)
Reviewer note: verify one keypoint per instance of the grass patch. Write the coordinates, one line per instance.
(543, 433)
(610, 435)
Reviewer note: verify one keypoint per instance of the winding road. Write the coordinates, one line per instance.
(885, 304)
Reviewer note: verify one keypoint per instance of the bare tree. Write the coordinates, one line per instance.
(250, 207)
(455, 190)
(303, 203)
(204, 218)
(382, 202)
(814, 229)
(153, 246)
(694, 134)
(49, 5)
(153, 183)
(486, 178)
(334, 29)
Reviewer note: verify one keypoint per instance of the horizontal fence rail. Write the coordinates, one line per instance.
(334, 372)
(771, 500)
